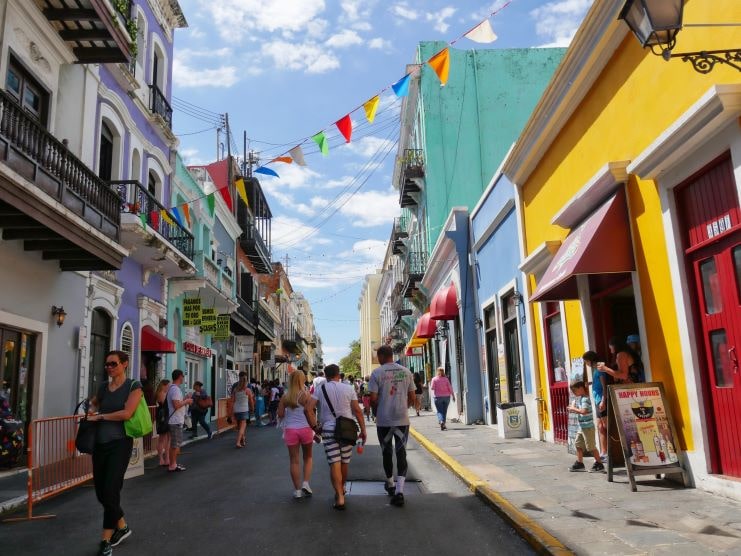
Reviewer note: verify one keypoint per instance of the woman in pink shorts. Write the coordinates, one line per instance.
(296, 409)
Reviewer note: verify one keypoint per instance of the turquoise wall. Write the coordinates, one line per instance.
(469, 125)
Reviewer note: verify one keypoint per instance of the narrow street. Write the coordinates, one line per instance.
(239, 501)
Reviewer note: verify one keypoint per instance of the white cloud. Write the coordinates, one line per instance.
(371, 208)
(262, 15)
(344, 39)
(373, 250)
(286, 230)
(294, 176)
(356, 13)
(334, 353)
(190, 156)
(403, 10)
(369, 146)
(557, 22)
(379, 43)
(308, 56)
(440, 18)
(184, 75)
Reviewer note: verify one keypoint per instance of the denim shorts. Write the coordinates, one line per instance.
(242, 415)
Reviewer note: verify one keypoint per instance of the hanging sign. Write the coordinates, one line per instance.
(192, 311)
(647, 433)
(208, 321)
(195, 349)
(222, 328)
(245, 348)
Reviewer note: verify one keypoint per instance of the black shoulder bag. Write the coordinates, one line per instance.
(85, 439)
(346, 429)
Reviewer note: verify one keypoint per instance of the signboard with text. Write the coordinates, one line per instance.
(244, 348)
(208, 321)
(222, 328)
(192, 311)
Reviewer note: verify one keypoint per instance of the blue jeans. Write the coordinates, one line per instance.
(199, 417)
(441, 404)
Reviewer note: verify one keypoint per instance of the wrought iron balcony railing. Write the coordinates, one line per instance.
(412, 169)
(158, 105)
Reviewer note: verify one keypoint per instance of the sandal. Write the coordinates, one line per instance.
(177, 469)
(337, 506)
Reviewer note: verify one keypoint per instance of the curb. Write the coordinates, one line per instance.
(536, 536)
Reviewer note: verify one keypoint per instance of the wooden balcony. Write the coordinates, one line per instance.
(51, 200)
(255, 222)
(94, 30)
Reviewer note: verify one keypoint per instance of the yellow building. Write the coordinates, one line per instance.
(628, 176)
(370, 323)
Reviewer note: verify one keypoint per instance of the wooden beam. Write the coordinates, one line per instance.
(99, 55)
(74, 254)
(52, 244)
(19, 221)
(85, 34)
(70, 14)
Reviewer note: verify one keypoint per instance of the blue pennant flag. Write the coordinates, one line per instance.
(176, 214)
(267, 171)
(401, 87)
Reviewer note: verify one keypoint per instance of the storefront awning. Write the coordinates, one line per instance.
(600, 245)
(154, 341)
(426, 327)
(445, 304)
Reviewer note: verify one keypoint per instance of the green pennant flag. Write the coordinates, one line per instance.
(211, 200)
(143, 218)
(321, 140)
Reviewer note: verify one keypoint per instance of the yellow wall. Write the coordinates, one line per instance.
(635, 99)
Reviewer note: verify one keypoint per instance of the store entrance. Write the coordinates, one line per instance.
(613, 310)
(16, 395)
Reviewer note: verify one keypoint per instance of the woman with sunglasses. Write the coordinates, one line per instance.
(115, 402)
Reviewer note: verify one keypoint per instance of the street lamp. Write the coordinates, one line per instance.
(655, 23)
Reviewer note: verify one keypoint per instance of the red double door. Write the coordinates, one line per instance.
(712, 225)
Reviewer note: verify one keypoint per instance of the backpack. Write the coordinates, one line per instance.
(162, 415)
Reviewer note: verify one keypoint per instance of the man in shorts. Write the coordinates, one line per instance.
(345, 403)
(391, 389)
(177, 407)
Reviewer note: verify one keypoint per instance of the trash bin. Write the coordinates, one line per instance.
(511, 420)
(259, 410)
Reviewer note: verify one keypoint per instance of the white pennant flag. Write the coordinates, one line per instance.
(482, 33)
(297, 154)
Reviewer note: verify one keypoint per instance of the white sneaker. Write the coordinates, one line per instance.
(306, 489)
(298, 494)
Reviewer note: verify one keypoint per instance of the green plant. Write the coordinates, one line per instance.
(124, 8)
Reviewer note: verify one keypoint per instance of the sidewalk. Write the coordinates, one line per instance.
(582, 510)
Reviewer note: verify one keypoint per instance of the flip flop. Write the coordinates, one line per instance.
(178, 469)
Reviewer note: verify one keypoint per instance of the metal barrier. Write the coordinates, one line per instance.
(222, 413)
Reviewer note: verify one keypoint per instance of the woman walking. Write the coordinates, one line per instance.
(296, 409)
(418, 391)
(442, 389)
(627, 364)
(115, 402)
(243, 401)
(163, 434)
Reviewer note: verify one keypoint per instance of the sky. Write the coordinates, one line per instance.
(284, 70)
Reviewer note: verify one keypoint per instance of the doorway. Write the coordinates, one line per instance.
(100, 344)
(614, 311)
(492, 360)
(511, 337)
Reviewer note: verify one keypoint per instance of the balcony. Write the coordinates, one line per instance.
(265, 324)
(159, 106)
(412, 177)
(94, 33)
(414, 271)
(51, 200)
(255, 222)
(155, 243)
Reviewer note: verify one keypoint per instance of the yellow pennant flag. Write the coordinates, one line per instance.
(370, 108)
(242, 191)
(166, 217)
(186, 213)
(440, 62)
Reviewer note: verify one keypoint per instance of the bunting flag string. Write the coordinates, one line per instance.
(154, 218)
(401, 87)
(227, 198)
(297, 154)
(344, 124)
(166, 217)
(176, 214)
(286, 159)
(211, 201)
(186, 213)
(321, 140)
(440, 63)
(143, 218)
(482, 33)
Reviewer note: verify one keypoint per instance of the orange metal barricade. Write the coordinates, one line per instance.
(222, 412)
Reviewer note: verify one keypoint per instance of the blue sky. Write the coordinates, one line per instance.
(286, 69)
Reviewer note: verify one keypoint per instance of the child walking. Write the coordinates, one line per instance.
(585, 437)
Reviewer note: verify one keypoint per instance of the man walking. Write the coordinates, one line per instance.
(391, 390)
(198, 411)
(176, 406)
(334, 400)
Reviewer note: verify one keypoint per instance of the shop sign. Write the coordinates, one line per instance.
(222, 328)
(201, 351)
(266, 352)
(719, 226)
(208, 321)
(192, 311)
(245, 348)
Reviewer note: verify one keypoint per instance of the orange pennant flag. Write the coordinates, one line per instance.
(286, 159)
(186, 213)
(440, 62)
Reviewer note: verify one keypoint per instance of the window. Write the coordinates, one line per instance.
(105, 158)
(152, 183)
(556, 352)
(27, 91)
(127, 340)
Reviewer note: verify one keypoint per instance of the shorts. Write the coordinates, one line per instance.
(419, 397)
(602, 414)
(176, 436)
(242, 415)
(335, 452)
(304, 436)
(585, 440)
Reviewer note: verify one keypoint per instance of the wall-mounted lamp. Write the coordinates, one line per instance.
(517, 298)
(655, 23)
(163, 322)
(59, 313)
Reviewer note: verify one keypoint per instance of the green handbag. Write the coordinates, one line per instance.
(140, 423)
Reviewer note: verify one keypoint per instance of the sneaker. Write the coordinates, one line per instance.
(119, 535)
(306, 489)
(397, 500)
(389, 488)
(298, 494)
(105, 549)
(603, 458)
(577, 466)
(597, 467)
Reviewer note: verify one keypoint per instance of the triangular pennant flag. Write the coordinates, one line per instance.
(440, 62)
(242, 191)
(266, 171)
(227, 197)
(211, 202)
(370, 108)
(154, 219)
(143, 218)
(482, 33)
(401, 87)
(321, 140)
(286, 159)
(178, 218)
(297, 154)
(166, 217)
(186, 213)
(344, 124)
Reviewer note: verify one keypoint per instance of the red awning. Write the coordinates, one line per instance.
(445, 304)
(600, 245)
(154, 341)
(426, 327)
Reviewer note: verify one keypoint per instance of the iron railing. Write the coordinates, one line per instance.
(265, 320)
(416, 263)
(413, 163)
(135, 199)
(158, 105)
(28, 136)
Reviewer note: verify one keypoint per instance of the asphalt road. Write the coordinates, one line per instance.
(233, 501)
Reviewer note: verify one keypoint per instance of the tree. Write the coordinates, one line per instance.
(350, 364)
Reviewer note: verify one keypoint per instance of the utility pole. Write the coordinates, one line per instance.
(230, 175)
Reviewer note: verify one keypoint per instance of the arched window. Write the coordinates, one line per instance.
(105, 159)
(159, 67)
(136, 165)
(127, 340)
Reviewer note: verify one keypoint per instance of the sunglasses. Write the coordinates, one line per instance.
(111, 364)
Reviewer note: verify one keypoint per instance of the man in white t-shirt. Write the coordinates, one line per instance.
(345, 403)
(318, 380)
(176, 406)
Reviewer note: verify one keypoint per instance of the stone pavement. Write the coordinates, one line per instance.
(585, 512)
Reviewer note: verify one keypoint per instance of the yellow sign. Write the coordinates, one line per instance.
(192, 311)
(222, 328)
(208, 321)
